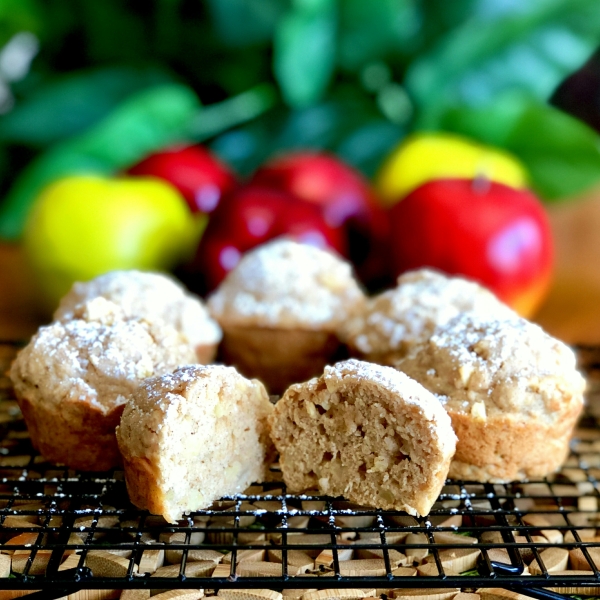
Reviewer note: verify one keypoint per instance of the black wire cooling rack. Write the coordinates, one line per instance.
(63, 531)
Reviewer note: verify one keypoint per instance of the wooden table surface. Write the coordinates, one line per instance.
(571, 311)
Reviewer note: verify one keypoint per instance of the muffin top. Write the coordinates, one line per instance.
(146, 296)
(97, 357)
(287, 285)
(421, 301)
(487, 367)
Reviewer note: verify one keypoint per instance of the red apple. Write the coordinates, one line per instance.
(251, 216)
(200, 176)
(485, 231)
(344, 199)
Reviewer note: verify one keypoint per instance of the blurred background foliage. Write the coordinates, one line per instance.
(89, 85)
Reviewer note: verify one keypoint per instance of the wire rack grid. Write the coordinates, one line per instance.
(63, 531)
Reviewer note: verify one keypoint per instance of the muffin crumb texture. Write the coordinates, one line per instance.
(366, 432)
(190, 437)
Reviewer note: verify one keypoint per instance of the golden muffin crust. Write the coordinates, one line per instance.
(190, 437)
(74, 377)
(512, 391)
(392, 322)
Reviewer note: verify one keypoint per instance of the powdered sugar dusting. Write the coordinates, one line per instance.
(165, 390)
(489, 366)
(149, 296)
(100, 360)
(286, 284)
(421, 301)
(498, 343)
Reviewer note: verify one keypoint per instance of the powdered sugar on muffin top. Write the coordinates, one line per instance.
(147, 296)
(495, 366)
(288, 285)
(409, 313)
(98, 358)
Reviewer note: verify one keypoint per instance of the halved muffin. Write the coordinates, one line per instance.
(193, 436)
(367, 432)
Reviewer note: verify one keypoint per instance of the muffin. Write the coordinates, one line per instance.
(367, 432)
(281, 309)
(151, 297)
(512, 391)
(73, 379)
(190, 437)
(394, 321)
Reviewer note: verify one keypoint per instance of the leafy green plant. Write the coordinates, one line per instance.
(561, 153)
(252, 78)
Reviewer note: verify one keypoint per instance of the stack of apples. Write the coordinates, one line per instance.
(311, 197)
(438, 201)
(465, 209)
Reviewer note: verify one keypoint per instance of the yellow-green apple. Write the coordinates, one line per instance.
(424, 156)
(82, 226)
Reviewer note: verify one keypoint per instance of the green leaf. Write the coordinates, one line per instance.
(524, 46)
(19, 15)
(248, 105)
(244, 149)
(490, 124)
(146, 122)
(281, 130)
(305, 51)
(245, 22)
(324, 126)
(315, 127)
(367, 146)
(374, 31)
(561, 153)
(440, 16)
(67, 106)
